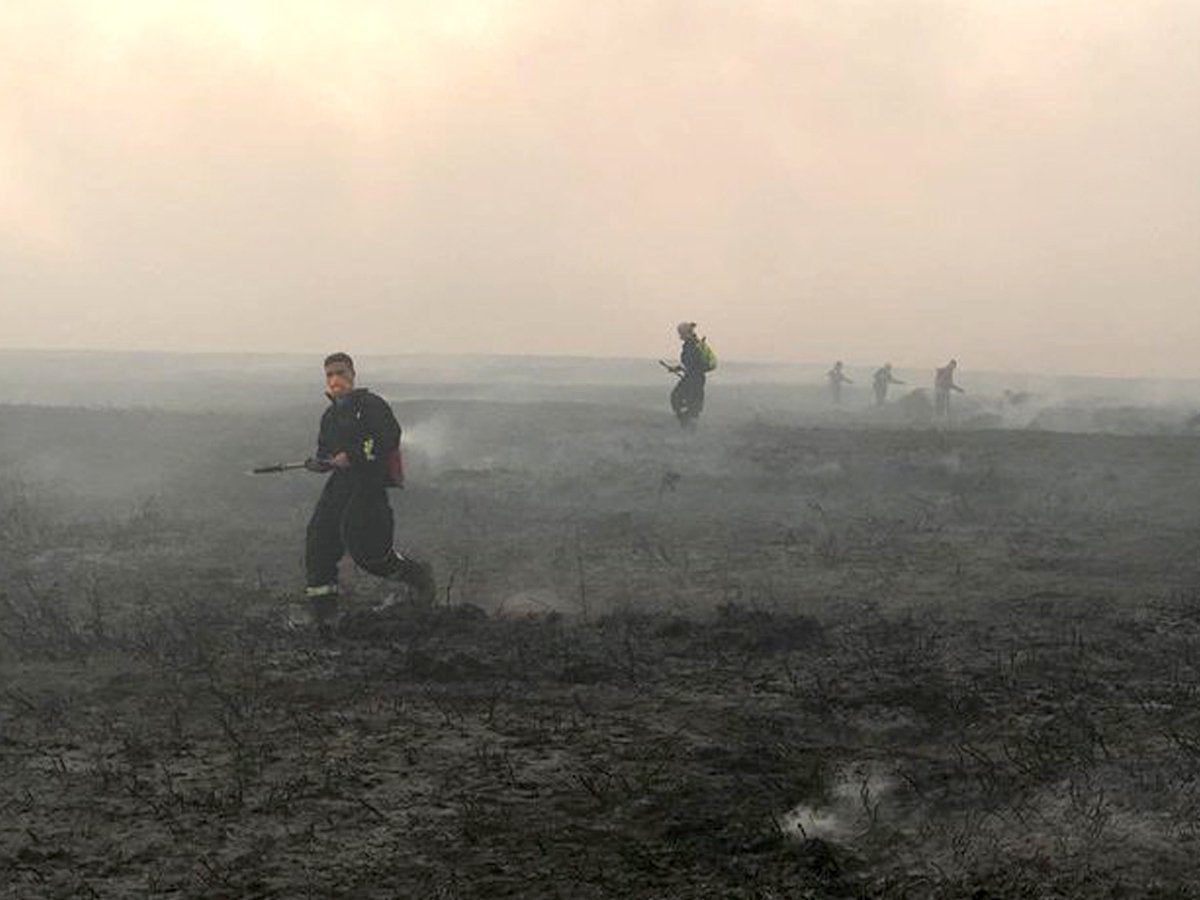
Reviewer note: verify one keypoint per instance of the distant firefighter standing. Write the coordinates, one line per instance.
(837, 377)
(882, 380)
(696, 360)
(943, 384)
(359, 443)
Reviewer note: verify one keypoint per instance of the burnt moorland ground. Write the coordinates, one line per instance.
(761, 662)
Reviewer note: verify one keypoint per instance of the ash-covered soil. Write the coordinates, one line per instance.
(760, 661)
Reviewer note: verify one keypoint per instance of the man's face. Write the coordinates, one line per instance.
(339, 379)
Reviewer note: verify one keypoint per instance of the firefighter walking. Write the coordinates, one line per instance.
(358, 445)
(696, 360)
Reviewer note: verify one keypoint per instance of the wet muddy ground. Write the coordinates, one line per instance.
(762, 662)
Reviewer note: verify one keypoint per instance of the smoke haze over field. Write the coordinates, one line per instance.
(1012, 182)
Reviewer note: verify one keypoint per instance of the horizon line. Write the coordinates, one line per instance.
(432, 354)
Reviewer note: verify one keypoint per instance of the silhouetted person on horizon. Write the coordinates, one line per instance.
(357, 437)
(837, 377)
(687, 397)
(943, 384)
(883, 378)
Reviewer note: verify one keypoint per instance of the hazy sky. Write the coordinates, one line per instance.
(1015, 182)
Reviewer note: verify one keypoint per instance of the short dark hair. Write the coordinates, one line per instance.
(339, 358)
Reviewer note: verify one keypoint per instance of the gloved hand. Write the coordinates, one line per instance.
(317, 465)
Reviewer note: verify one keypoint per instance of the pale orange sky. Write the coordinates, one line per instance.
(1014, 182)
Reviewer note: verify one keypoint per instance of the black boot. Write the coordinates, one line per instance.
(324, 610)
(319, 609)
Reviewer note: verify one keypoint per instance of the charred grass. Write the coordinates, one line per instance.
(930, 670)
(201, 752)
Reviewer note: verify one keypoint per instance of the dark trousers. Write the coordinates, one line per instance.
(353, 514)
(687, 398)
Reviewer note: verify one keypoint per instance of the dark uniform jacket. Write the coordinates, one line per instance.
(943, 381)
(692, 359)
(361, 425)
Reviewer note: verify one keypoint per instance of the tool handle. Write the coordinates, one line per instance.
(277, 467)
